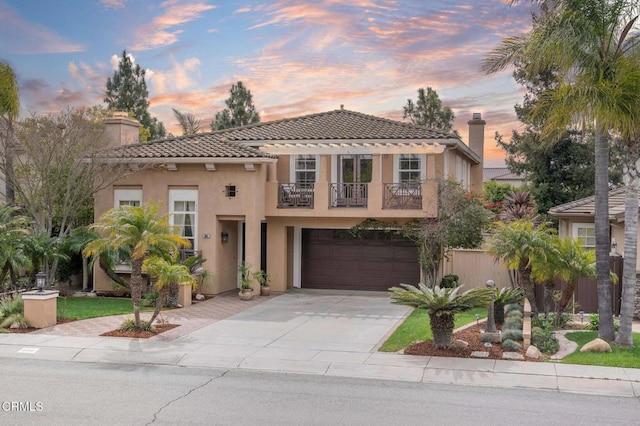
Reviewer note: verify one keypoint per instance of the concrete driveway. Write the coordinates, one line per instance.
(300, 325)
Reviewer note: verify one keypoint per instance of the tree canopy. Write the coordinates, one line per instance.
(240, 110)
(428, 111)
(459, 224)
(127, 91)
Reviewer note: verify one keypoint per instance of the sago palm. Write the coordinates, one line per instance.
(140, 231)
(518, 244)
(593, 44)
(442, 305)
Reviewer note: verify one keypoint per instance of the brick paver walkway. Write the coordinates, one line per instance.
(191, 318)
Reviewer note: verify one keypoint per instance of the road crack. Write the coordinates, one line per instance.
(155, 415)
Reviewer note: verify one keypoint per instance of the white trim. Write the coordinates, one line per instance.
(396, 167)
(574, 231)
(128, 194)
(334, 168)
(185, 195)
(446, 164)
(292, 167)
(343, 148)
(297, 257)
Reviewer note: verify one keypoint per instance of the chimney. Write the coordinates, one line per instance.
(476, 143)
(121, 129)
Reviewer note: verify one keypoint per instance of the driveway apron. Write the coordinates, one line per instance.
(299, 324)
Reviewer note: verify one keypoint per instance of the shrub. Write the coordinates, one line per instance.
(12, 312)
(10, 306)
(449, 281)
(515, 315)
(545, 341)
(511, 334)
(512, 324)
(129, 324)
(594, 323)
(150, 298)
(511, 344)
(514, 307)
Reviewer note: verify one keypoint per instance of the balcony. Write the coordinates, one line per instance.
(349, 194)
(373, 199)
(402, 196)
(292, 195)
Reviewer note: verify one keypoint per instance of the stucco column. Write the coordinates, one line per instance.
(321, 192)
(271, 172)
(277, 256)
(40, 308)
(252, 249)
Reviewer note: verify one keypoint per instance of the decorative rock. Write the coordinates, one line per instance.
(178, 305)
(479, 354)
(597, 345)
(199, 297)
(533, 352)
(460, 344)
(513, 355)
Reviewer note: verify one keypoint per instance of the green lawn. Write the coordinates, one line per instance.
(620, 357)
(77, 308)
(417, 328)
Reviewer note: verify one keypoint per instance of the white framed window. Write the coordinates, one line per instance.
(183, 213)
(304, 170)
(410, 168)
(586, 232)
(463, 172)
(127, 197)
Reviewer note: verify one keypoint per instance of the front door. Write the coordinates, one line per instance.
(354, 173)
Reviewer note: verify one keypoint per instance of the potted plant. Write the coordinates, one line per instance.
(263, 279)
(246, 290)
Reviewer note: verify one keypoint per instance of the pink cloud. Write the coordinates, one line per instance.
(161, 30)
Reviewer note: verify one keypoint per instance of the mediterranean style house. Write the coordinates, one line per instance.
(281, 196)
(577, 220)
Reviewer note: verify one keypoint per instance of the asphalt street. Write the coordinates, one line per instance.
(35, 392)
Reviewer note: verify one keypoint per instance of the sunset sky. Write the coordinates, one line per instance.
(296, 57)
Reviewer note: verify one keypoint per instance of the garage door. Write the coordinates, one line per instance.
(333, 258)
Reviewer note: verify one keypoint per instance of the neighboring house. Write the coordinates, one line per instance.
(282, 195)
(576, 219)
(502, 175)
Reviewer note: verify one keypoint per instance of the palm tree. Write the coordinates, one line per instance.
(630, 289)
(570, 261)
(518, 244)
(442, 305)
(75, 243)
(166, 274)
(13, 231)
(140, 230)
(9, 108)
(592, 46)
(41, 249)
(189, 123)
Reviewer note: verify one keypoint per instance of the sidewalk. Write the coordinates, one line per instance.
(226, 333)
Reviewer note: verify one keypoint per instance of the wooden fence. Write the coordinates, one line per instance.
(475, 267)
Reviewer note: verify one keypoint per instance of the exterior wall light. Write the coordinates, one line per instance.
(224, 237)
(41, 281)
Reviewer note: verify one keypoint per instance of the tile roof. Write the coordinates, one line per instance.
(331, 125)
(336, 124)
(201, 145)
(585, 207)
(499, 173)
